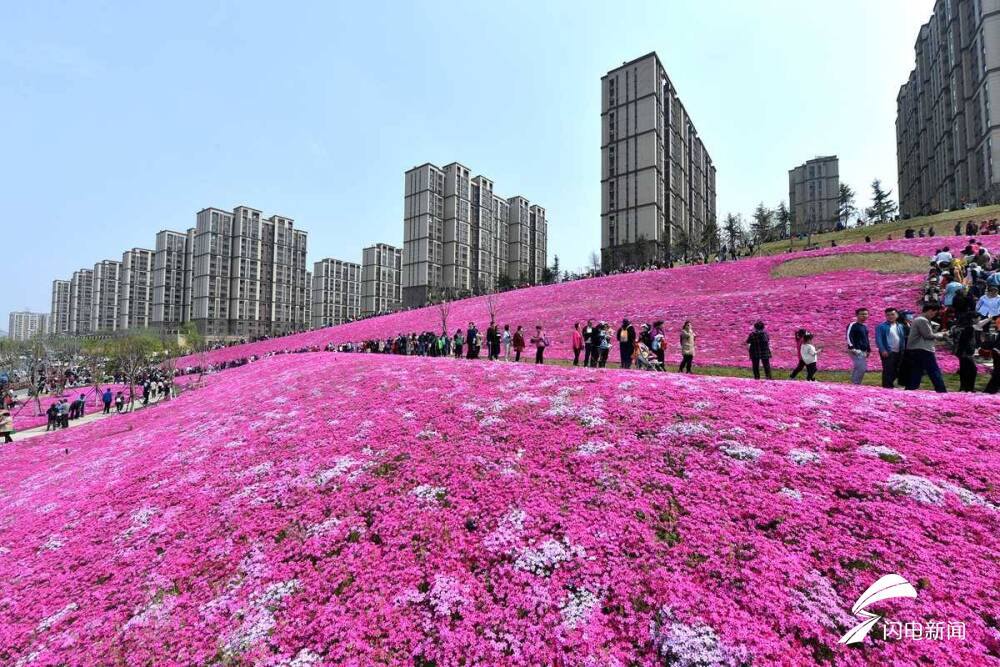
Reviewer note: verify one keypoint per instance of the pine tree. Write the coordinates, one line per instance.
(784, 219)
(732, 230)
(760, 228)
(883, 207)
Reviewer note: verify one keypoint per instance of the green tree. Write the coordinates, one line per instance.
(783, 217)
(883, 207)
(733, 230)
(845, 204)
(760, 228)
(709, 237)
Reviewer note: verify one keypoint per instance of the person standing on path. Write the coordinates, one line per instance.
(626, 343)
(890, 339)
(106, 398)
(687, 347)
(538, 340)
(493, 341)
(588, 343)
(659, 342)
(858, 346)
(518, 343)
(920, 351)
(759, 346)
(603, 344)
(472, 341)
(577, 344)
(596, 339)
(120, 402)
(964, 347)
(506, 338)
(457, 343)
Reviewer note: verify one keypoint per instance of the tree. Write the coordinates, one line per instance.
(681, 243)
(197, 344)
(595, 261)
(760, 228)
(504, 283)
(783, 217)
(883, 207)
(131, 355)
(732, 230)
(551, 274)
(709, 241)
(845, 204)
(491, 306)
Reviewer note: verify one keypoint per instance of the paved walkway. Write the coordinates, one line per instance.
(94, 415)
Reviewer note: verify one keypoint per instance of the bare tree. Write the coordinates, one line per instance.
(491, 306)
(444, 307)
(595, 261)
(131, 355)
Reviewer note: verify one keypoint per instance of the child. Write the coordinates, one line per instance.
(809, 354)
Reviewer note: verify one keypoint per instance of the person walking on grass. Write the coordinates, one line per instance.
(626, 343)
(518, 343)
(920, 352)
(800, 365)
(890, 339)
(540, 343)
(759, 347)
(809, 355)
(858, 346)
(577, 344)
(688, 337)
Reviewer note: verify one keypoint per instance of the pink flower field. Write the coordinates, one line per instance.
(324, 509)
(722, 300)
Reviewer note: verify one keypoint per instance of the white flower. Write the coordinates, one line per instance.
(880, 451)
(592, 447)
(920, 489)
(546, 558)
(791, 493)
(341, 465)
(577, 607)
(803, 456)
(49, 621)
(429, 493)
(741, 452)
(686, 429)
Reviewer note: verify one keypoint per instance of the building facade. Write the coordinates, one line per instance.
(945, 126)
(135, 291)
(81, 302)
(381, 283)
(248, 274)
(59, 322)
(657, 178)
(104, 304)
(23, 325)
(459, 239)
(170, 307)
(336, 292)
(814, 195)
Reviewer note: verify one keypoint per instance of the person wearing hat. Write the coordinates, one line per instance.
(920, 353)
(626, 343)
(6, 426)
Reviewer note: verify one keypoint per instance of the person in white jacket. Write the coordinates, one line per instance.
(809, 356)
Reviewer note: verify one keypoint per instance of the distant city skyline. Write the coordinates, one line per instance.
(123, 120)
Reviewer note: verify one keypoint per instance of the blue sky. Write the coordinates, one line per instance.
(121, 119)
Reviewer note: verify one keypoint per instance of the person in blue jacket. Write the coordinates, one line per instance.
(890, 338)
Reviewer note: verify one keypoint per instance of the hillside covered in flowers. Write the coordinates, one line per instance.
(361, 509)
(722, 300)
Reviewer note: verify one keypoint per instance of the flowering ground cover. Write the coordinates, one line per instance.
(386, 510)
(722, 301)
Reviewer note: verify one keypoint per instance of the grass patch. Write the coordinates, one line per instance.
(943, 224)
(882, 262)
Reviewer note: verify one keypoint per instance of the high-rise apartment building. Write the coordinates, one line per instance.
(81, 301)
(59, 322)
(104, 305)
(945, 124)
(171, 281)
(457, 236)
(135, 291)
(814, 195)
(249, 275)
(657, 179)
(23, 325)
(381, 286)
(336, 292)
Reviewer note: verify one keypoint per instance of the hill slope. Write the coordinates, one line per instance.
(413, 511)
(722, 300)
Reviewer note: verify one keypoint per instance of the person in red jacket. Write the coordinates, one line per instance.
(577, 343)
(518, 343)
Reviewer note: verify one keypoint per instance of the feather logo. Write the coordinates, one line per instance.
(888, 587)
